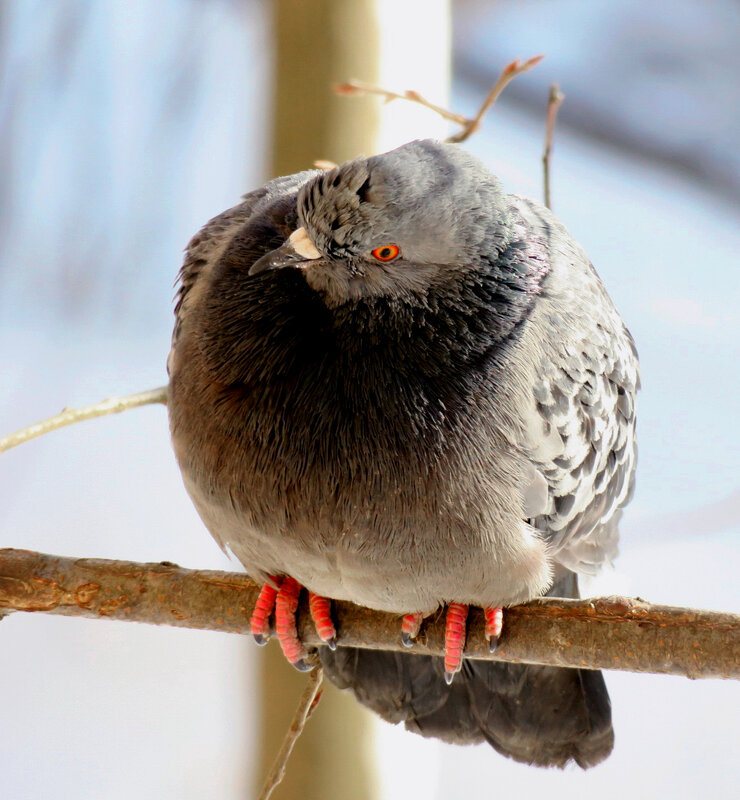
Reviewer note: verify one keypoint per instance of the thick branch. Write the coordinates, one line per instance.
(606, 633)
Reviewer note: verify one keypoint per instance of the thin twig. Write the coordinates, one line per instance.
(468, 125)
(509, 73)
(353, 88)
(554, 101)
(306, 705)
(69, 416)
(604, 633)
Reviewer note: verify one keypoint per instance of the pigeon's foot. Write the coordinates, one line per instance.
(456, 618)
(284, 601)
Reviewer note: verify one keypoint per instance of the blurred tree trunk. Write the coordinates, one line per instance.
(317, 45)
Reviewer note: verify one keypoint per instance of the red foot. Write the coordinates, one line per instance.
(494, 624)
(455, 632)
(260, 621)
(284, 601)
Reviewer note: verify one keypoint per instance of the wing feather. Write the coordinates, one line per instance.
(581, 427)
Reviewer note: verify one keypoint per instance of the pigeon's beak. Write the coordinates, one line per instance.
(298, 251)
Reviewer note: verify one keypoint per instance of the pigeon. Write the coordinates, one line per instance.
(394, 384)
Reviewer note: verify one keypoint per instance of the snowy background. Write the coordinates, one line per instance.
(123, 128)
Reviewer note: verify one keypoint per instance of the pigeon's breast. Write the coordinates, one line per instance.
(366, 466)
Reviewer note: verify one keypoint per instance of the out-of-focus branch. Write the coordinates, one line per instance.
(69, 416)
(606, 633)
(308, 702)
(468, 125)
(554, 101)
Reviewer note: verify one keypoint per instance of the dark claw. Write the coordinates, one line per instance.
(302, 665)
(407, 640)
(331, 643)
(260, 639)
(493, 644)
(449, 677)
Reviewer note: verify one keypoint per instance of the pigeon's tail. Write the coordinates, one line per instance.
(547, 716)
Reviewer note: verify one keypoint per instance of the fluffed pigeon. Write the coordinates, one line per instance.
(394, 384)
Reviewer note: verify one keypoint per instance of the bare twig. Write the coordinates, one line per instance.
(554, 101)
(606, 633)
(509, 73)
(306, 705)
(353, 88)
(69, 416)
(468, 125)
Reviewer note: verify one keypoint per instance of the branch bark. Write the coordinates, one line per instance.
(605, 633)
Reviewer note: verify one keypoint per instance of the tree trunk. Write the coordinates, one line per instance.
(317, 45)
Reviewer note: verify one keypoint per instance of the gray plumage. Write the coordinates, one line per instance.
(454, 425)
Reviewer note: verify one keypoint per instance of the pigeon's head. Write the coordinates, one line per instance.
(394, 224)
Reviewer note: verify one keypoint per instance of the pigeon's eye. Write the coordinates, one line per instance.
(386, 252)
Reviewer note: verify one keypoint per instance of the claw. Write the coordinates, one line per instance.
(410, 627)
(455, 633)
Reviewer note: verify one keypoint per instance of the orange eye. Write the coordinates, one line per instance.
(386, 252)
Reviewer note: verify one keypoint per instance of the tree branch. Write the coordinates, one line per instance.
(468, 125)
(554, 101)
(605, 633)
(70, 416)
(306, 705)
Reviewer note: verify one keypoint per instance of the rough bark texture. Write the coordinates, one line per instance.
(605, 633)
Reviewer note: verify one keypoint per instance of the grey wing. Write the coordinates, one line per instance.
(581, 426)
(589, 400)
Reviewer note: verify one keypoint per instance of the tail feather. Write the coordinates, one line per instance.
(546, 716)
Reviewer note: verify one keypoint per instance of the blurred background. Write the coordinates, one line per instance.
(124, 126)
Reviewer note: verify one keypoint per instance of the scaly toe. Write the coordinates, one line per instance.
(494, 625)
(286, 605)
(259, 622)
(320, 608)
(455, 634)
(410, 627)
